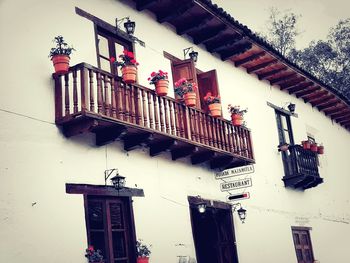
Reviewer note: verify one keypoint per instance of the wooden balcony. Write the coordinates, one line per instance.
(301, 168)
(88, 99)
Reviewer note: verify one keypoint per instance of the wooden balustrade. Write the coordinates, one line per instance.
(87, 89)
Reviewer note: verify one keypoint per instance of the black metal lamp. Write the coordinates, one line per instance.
(193, 54)
(128, 25)
(242, 213)
(202, 207)
(291, 107)
(118, 181)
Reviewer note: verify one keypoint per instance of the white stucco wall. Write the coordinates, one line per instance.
(39, 221)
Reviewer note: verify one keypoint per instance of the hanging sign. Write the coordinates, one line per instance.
(236, 197)
(242, 183)
(235, 171)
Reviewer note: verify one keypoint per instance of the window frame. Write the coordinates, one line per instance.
(306, 231)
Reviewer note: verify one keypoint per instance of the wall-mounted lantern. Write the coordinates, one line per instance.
(193, 54)
(117, 180)
(291, 107)
(128, 25)
(242, 213)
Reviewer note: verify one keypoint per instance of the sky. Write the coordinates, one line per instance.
(317, 16)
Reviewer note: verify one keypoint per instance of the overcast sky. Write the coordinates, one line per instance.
(317, 15)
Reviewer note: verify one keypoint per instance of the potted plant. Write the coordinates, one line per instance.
(93, 256)
(320, 149)
(306, 144)
(142, 252)
(161, 82)
(128, 65)
(236, 114)
(187, 90)
(214, 104)
(313, 147)
(60, 55)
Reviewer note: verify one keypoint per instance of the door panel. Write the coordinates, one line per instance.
(207, 82)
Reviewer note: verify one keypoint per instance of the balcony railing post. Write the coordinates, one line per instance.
(58, 97)
(83, 89)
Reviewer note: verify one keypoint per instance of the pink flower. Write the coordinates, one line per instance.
(153, 74)
(112, 59)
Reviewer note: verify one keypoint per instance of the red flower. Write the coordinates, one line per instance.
(91, 248)
(112, 59)
(130, 54)
(153, 74)
(133, 61)
(125, 52)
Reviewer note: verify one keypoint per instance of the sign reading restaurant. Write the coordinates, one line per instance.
(242, 183)
(235, 171)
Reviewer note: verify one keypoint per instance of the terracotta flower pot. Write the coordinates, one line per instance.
(215, 109)
(129, 74)
(320, 149)
(313, 147)
(306, 145)
(190, 99)
(142, 260)
(61, 63)
(237, 120)
(162, 87)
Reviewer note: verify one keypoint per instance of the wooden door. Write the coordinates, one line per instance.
(214, 236)
(302, 243)
(207, 82)
(185, 69)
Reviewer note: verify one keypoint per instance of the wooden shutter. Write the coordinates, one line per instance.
(207, 82)
(302, 243)
(185, 69)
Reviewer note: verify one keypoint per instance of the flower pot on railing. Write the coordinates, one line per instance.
(162, 87)
(237, 119)
(142, 260)
(320, 149)
(215, 109)
(61, 63)
(129, 74)
(60, 55)
(190, 99)
(306, 145)
(313, 147)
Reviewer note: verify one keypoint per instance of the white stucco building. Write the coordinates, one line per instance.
(56, 146)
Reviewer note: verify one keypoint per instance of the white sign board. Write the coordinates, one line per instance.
(242, 183)
(235, 171)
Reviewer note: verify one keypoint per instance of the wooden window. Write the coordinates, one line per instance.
(284, 127)
(302, 244)
(109, 45)
(110, 227)
(206, 81)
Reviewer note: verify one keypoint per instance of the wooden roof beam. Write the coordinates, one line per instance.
(282, 78)
(175, 12)
(144, 4)
(299, 87)
(249, 58)
(262, 65)
(321, 100)
(270, 73)
(335, 111)
(209, 34)
(195, 25)
(342, 119)
(328, 105)
(307, 92)
(215, 47)
(315, 95)
(344, 113)
(240, 49)
(291, 83)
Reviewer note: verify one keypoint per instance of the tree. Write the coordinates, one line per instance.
(282, 30)
(328, 60)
